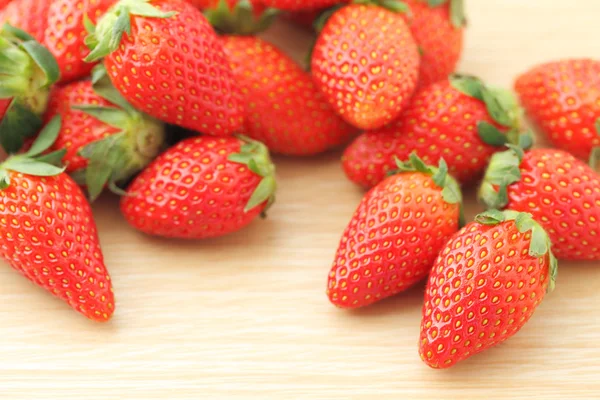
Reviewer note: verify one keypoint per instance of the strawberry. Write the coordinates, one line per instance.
(201, 188)
(305, 19)
(283, 108)
(59, 26)
(561, 192)
(366, 62)
(178, 74)
(437, 26)
(28, 71)
(106, 139)
(301, 5)
(562, 99)
(395, 235)
(460, 119)
(484, 286)
(48, 233)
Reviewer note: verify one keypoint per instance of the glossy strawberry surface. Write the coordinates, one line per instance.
(392, 240)
(563, 194)
(175, 70)
(366, 62)
(483, 288)
(284, 110)
(48, 234)
(34, 21)
(440, 122)
(439, 40)
(562, 98)
(193, 191)
(78, 128)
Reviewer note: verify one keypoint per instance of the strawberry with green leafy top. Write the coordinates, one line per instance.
(459, 119)
(28, 71)
(484, 287)
(202, 187)
(366, 63)
(395, 234)
(106, 139)
(47, 231)
(166, 60)
(561, 192)
(562, 99)
(59, 26)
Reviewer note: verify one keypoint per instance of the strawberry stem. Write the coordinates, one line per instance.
(241, 20)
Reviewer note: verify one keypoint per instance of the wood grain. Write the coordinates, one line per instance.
(246, 316)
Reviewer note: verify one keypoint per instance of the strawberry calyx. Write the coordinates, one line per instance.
(255, 156)
(450, 188)
(28, 71)
(502, 106)
(34, 162)
(105, 37)
(540, 244)
(503, 170)
(242, 19)
(118, 157)
(457, 11)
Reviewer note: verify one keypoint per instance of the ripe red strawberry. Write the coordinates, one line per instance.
(48, 233)
(366, 62)
(395, 235)
(561, 192)
(59, 25)
(106, 140)
(28, 71)
(452, 119)
(563, 99)
(203, 187)
(301, 5)
(484, 286)
(178, 74)
(283, 108)
(437, 27)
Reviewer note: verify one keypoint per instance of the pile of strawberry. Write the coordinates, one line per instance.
(176, 105)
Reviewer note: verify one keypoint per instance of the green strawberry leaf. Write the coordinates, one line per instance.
(44, 60)
(55, 158)
(540, 244)
(524, 222)
(18, 124)
(242, 20)
(16, 32)
(503, 170)
(469, 85)
(263, 192)
(526, 140)
(491, 217)
(255, 156)
(112, 116)
(489, 134)
(496, 108)
(439, 177)
(46, 137)
(395, 6)
(31, 166)
(4, 179)
(457, 13)
(104, 158)
(598, 126)
(595, 158)
(436, 3)
(107, 35)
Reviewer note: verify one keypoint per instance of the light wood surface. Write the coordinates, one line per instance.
(246, 316)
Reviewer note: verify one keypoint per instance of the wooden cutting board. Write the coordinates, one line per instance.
(246, 316)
